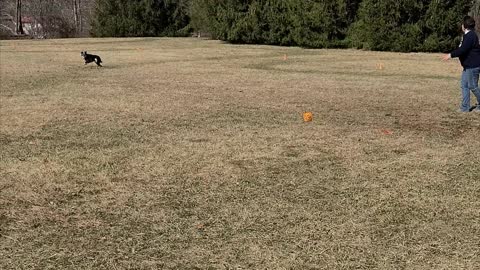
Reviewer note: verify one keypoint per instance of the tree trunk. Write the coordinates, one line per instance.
(80, 19)
(19, 26)
(75, 15)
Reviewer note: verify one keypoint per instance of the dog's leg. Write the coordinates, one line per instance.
(98, 61)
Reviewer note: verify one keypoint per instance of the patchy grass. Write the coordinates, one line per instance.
(192, 154)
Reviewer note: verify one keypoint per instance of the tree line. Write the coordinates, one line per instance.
(388, 25)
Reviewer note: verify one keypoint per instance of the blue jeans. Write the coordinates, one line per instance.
(470, 82)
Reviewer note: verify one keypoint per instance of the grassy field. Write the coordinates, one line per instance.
(193, 154)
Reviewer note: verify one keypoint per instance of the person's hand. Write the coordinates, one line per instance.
(445, 57)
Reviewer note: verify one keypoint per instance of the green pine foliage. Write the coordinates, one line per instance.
(389, 25)
(386, 25)
(408, 25)
(132, 18)
(442, 28)
(288, 22)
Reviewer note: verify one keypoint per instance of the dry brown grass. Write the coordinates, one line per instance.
(192, 154)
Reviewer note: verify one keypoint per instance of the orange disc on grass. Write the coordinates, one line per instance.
(307, 116)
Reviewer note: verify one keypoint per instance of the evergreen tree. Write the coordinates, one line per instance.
(408, 25)
(315, 23)
(389, 25)
(124, 18)
(443, 24)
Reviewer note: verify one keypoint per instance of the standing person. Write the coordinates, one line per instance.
(469, 55)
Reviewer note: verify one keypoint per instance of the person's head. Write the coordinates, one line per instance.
(468, 23)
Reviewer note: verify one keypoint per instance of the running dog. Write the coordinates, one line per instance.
(91, 58)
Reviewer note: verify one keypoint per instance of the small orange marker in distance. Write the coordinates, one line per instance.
(380, 66)
(307, 116)
(285, 57)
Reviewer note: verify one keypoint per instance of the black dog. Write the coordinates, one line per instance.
(91, 58)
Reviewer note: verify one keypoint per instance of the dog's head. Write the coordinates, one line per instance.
(83, 54)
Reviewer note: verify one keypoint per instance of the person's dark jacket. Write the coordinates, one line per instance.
(469, 51)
